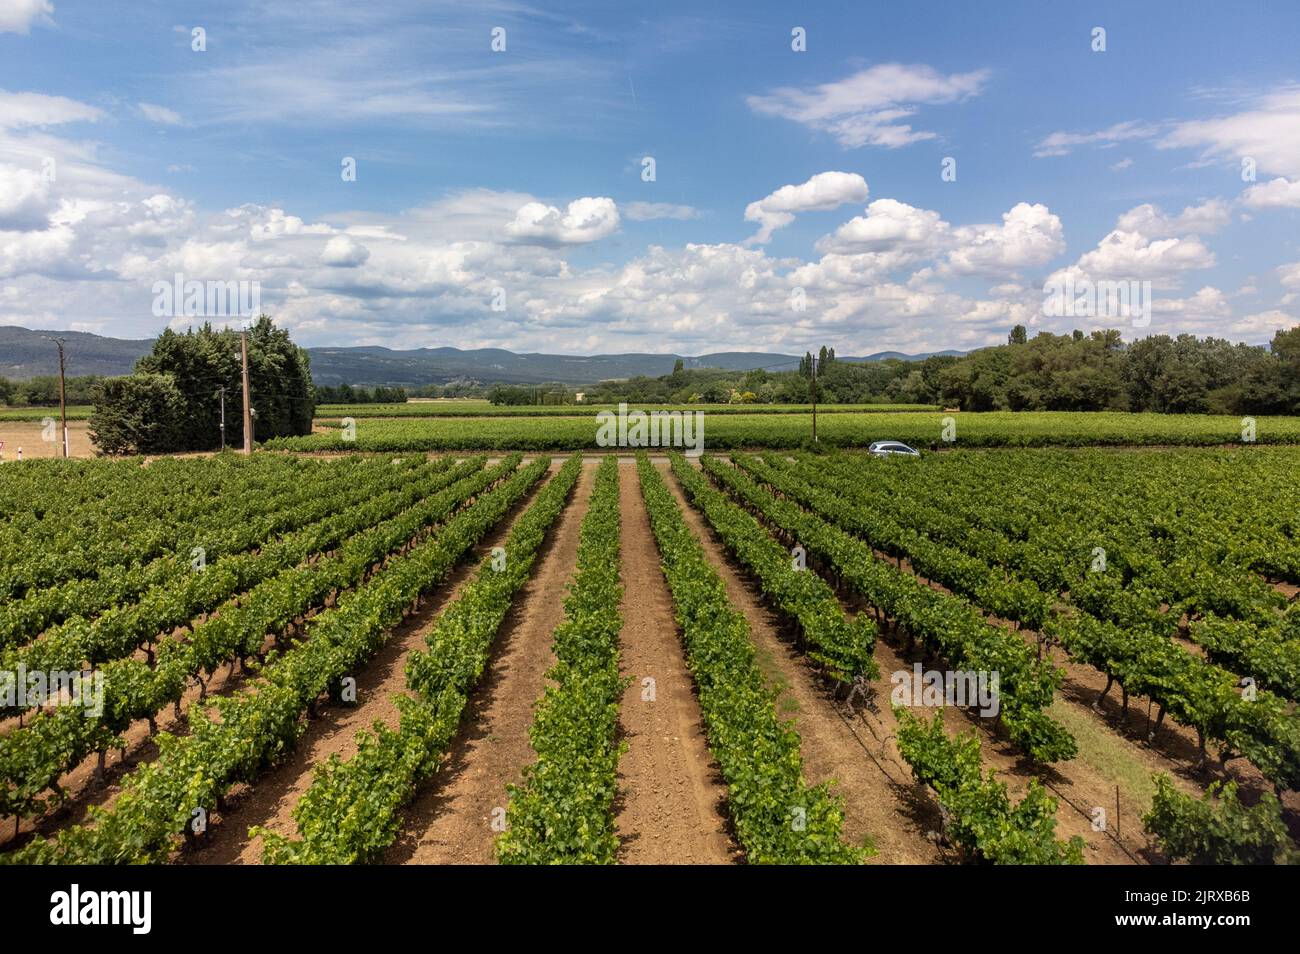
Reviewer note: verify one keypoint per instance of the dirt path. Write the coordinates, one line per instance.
(270, 802)
(668, 809)
(451, 821)
(881, 802)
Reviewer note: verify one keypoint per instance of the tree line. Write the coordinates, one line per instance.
(1099, 372)
(43, 390)
(347, 394)
(1046, 372)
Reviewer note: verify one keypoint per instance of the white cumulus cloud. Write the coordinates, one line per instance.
(1149, 220)
(24, 199)
(1262, 325)
(1130, 255)
(826, 190)
(894, 235)
(584, 220)
(1279, 193)
(1028, 236)
(889, 224)
(343, 252)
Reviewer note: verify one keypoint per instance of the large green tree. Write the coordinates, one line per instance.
(201, 363)
(139, 413)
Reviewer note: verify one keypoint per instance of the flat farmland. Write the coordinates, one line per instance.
(775, 430)
(605, 659)
(31, 436)
(467, 408)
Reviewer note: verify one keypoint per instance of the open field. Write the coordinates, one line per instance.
(726, 428)
(615, 660)
(457, 408)
(30, 436)
(851, 429)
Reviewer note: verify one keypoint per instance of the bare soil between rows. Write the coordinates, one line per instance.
(671, 795)
(270, 801)
(456, 817)
(1133, 749)
(882, 805)
(1080, 786)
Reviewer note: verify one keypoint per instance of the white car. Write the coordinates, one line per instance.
(892, 448)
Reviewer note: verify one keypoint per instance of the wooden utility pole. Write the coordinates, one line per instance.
(63, 395)
(248, 408)
(63, 401)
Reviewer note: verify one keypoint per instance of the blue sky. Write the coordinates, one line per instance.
(514, 179)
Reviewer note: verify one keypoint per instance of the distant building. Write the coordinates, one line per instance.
(580, 396)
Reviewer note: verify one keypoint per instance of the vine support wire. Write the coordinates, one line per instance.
(1061, 796)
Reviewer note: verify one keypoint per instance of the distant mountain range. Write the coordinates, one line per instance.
(25, 354)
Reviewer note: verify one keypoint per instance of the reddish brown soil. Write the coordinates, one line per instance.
(451, 821)
(669, 807)
(1079, 787)
(1289, 590)
(270, 802)
(880, 800)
